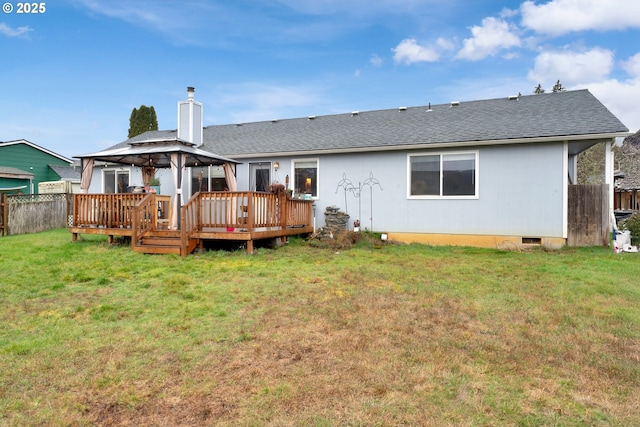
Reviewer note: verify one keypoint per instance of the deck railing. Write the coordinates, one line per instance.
(246, 211)
(104, 210)
(211, 211)
(113, 210)
(144, 217)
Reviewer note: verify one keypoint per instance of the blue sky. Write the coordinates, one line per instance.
(72, 75)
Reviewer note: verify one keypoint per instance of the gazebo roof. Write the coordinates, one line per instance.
(157, 153)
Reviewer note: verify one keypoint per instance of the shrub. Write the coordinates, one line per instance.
(633, 225)
(339, 241)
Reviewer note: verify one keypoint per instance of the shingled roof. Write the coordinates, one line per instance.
(11, 172)
(67, 173)
(572, 114)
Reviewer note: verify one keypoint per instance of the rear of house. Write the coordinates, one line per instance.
(493, 173)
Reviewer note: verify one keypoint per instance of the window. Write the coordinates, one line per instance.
(207, 178)
(305, 178)
(115, 181)
(453, 175)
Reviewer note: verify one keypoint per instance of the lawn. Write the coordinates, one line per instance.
(93, 334)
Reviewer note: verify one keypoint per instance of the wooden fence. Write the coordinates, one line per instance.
(588, 215)
(32, 213)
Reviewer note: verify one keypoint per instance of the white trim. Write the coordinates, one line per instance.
(37, 147)
(608, 177)
(7, 189)
(118, 170)
(565, 189)
(476, 194)
(293, 174)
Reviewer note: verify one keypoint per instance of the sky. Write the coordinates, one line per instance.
(72, 73)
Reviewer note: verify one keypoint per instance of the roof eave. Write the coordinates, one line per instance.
(453, 144)
(37, 147)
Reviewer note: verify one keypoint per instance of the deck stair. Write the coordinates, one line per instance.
(162, 242)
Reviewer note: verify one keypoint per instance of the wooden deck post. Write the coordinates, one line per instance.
(283, 201)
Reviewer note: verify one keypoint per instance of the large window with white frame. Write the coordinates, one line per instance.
(305, 178)
(443, 175)
(115, 180)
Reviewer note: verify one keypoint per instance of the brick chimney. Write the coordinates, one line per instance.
(190, 119)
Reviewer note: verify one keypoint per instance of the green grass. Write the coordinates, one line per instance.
(92, 334)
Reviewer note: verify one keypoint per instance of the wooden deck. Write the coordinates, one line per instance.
(231, 216)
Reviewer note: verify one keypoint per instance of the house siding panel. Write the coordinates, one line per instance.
(520, 193)
(31, 160)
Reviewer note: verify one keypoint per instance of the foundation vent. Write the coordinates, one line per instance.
(531, 240)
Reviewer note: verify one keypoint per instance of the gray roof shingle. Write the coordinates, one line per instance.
(67, 173)
(571, 113)
(11, 172)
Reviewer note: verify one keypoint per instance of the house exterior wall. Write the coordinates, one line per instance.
(520, 192)
(29, 159)
(135, 178)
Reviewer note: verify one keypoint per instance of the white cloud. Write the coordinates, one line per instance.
(13, 32)
(571, 67)
(562, 16)
(352, 7)
(494, 34)
(179, 20)
(445, 44)
(508, 13)
(409, 51)
(376, 60)
(621, 98)
(591, 70)
(250, 102)
(632, 66)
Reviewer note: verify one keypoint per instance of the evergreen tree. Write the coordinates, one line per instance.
(558, 87)
(141, 120)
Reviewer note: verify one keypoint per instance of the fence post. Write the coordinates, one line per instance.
(3, 214)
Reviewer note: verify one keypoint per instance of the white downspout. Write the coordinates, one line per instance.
(608, 179)
(565, 190)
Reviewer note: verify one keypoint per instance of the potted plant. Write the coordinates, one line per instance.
(154, 185)
(278, 189)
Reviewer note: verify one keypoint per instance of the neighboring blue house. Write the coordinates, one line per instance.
(490, 173)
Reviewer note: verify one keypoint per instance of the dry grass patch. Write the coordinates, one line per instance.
(402, 335)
